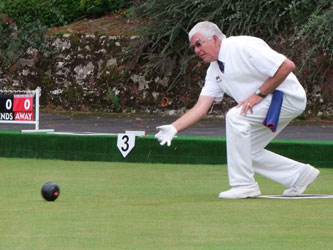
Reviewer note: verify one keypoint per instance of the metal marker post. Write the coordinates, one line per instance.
(37, 95)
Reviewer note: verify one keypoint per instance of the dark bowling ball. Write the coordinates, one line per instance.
(50, 191)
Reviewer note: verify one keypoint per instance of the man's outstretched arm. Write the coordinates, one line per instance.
(192, 116)
(167, 132)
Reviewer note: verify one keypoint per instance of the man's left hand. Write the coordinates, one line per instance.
(249, 103)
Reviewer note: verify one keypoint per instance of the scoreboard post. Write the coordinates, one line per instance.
(17, 106)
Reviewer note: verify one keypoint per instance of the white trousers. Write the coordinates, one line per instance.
(246, 139)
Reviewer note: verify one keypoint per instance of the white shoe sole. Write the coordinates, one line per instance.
(244, 195)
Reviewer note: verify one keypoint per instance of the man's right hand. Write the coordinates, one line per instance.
(166, 134)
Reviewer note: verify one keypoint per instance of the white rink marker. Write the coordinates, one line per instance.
(303, 196)
(126, 142)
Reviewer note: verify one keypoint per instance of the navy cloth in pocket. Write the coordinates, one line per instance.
(273, 114)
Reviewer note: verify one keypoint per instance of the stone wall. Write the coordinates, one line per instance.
(95, 73)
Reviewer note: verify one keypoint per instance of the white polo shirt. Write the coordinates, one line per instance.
(248, 63)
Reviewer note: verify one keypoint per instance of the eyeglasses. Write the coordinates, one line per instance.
(198, 43)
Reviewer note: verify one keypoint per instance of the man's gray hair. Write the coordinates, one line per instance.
(207, 29)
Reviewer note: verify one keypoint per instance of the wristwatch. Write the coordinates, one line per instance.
(260, 94)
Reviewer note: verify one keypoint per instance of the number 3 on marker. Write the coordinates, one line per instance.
(125, 143)
(125, 140)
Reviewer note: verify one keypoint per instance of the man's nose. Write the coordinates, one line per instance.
(197, 49)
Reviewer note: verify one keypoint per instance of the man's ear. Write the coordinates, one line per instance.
(216, 39)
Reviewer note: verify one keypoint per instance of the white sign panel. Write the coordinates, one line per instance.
(125, 143)
(136, 133)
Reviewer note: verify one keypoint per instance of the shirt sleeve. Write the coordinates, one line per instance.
(211, 88)
(263, 58)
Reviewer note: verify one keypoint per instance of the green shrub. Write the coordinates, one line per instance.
(67, 11)
(58, 12)
(27, 11)
(313, 47)
(318, 31)
(2, 6)
(95, 8)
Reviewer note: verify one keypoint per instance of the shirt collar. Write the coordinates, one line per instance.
(221, 56)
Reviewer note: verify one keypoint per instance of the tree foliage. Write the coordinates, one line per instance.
(15, 41)
(165, 41)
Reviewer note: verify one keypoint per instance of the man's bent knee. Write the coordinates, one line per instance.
(235, 121)
(233, 114)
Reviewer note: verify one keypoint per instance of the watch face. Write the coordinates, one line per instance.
(260, 94)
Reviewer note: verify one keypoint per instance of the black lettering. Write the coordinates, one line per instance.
(125, 138)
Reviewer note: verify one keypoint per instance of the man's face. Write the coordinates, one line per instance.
(208, 50)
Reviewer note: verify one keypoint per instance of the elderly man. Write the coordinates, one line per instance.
(269, 96)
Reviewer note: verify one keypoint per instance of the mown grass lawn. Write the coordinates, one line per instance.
(106, 205)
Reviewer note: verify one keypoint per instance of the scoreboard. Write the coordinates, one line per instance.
(16, 107)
